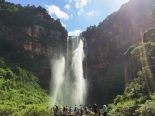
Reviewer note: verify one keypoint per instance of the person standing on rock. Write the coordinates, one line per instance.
(75, 109)
(104, 110)
(81, 110)
(70, 109)
(64, 110)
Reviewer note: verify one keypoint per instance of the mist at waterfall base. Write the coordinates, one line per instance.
(68, 85)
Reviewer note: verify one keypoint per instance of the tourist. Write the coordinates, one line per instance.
(67, 110)
(81, 109)
(98, 110)
(104, 110)
(70, 109)
(86, 110)
(64, 110)
(55, 109)
(75, 109)
(90, 111)
(95, 108)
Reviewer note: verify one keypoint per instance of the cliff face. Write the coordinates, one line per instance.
(30, 38)
(30, 25)
(42, 41)
(108, 42)
(119, 30)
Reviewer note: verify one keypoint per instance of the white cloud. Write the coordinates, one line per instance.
(80, 11)
(90, 13)
(74, 33)
(79, 4)
(67, 6)
(70, 1)
(63, 24)
(52, 9)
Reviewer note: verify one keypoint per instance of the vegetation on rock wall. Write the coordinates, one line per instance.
(138, 98)
(135, 101)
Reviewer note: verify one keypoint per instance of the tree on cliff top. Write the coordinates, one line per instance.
(18, 16)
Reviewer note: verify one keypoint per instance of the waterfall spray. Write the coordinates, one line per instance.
(68, 85)
(57, 81)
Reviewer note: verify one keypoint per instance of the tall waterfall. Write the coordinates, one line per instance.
(68, 85)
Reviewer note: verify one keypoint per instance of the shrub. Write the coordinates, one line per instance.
(147, 109)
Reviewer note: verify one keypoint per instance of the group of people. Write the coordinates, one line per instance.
(88, 110)
(97, 111)
(75, 110)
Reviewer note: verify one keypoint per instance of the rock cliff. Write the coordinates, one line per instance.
(108, 42)
(30, 38)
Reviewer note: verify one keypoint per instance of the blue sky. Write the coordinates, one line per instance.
(76, 15)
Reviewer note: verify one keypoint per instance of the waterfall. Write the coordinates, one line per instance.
(68, 85)
(58, 70)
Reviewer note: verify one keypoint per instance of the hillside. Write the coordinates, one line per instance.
(20, 92)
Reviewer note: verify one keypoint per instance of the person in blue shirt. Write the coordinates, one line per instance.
(70, 109)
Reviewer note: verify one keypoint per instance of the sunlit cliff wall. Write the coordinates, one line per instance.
(108, 42)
